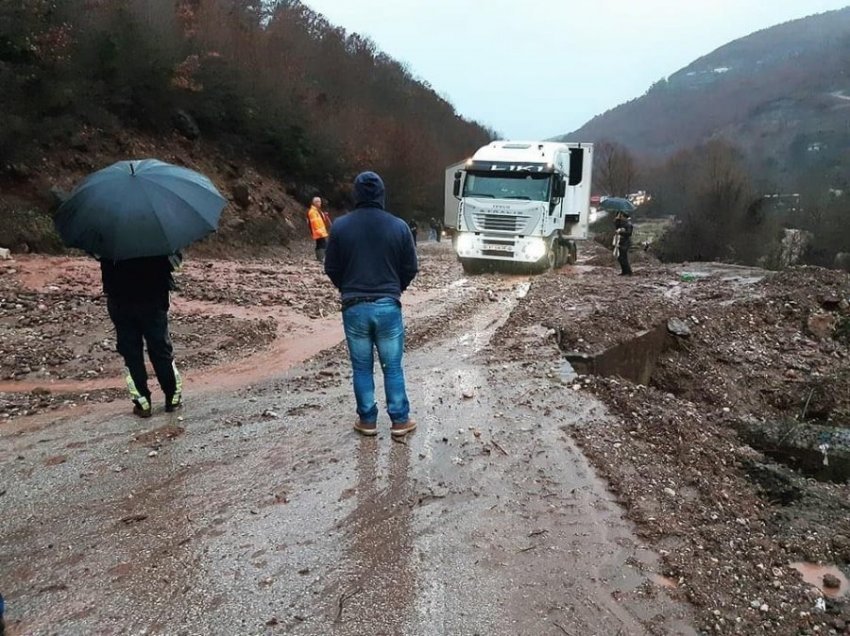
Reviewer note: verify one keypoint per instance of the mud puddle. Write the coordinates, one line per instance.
(831, 581)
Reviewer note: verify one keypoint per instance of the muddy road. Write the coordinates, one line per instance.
(257, 509)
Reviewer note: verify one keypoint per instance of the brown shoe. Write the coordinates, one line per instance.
(368, 429)
(400, 429)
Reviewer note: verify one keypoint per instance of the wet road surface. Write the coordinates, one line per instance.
(258, 510)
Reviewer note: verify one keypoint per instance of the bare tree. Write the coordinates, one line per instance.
(615, 171)
(719, 214)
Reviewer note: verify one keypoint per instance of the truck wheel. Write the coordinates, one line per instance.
(572, 259)
(551, 258)
(548, 262)
(562, 255)
(472, 266)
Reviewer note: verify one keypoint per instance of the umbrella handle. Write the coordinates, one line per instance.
(176, 261)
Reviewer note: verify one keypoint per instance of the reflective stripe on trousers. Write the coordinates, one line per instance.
(178, 381)
(138, 398)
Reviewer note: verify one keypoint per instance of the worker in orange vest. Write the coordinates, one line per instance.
(320, 226)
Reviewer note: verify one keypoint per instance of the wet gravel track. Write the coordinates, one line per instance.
(258, 510)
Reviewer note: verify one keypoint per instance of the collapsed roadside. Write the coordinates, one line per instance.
(759, 360)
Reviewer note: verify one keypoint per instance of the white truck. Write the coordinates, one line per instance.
(519, 204)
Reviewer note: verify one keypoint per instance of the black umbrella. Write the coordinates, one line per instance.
(617, 204)
(139, 208)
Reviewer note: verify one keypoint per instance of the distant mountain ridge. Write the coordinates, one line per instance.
(782, 94)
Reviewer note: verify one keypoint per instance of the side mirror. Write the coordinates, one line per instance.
(561, 188)
(456, 189)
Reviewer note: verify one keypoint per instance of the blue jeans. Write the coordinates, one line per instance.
(369, 326)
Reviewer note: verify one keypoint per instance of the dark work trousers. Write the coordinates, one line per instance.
(138, 322)
(321, 247)
(623, 259)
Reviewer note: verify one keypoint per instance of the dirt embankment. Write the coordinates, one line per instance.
(754, 349)
(265, 211)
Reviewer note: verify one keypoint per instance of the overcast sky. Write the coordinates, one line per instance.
(535, 69)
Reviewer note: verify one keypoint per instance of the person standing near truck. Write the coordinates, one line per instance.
(320, 226)
(414, 229)
(624, 231)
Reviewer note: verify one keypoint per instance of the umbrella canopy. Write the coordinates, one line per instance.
(617, 204)
(139, 208)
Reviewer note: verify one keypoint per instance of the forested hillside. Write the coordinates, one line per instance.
(231, 84)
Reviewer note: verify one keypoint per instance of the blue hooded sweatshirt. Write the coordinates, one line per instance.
(370, 252)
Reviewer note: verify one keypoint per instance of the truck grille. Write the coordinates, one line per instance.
(500, 222)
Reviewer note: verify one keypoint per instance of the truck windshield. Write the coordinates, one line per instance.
(507, 185)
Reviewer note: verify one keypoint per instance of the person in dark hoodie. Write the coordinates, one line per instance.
(371, 259)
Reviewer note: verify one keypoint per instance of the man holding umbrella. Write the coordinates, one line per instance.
(137, 293)
(623, 241)
(135, 217)
(622, 208)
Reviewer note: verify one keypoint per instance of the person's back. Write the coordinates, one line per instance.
(137, 280)
(371, 259)
(137, 292)
(370, 251)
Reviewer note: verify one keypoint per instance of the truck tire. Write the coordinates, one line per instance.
(572, 253)
(563, 255)
(547, 262)
(551, 260)
(472, 266)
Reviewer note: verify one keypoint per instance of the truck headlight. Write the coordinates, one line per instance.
(465, 242)
(535, 249)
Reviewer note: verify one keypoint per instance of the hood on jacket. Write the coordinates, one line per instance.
(368, 191)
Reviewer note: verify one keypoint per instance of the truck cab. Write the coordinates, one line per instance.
(520, 202)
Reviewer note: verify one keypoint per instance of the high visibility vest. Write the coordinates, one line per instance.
(318, 227)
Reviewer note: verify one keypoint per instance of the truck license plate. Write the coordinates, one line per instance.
(499, 248)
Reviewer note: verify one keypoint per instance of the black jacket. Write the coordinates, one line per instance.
(626, 234)
(138, 280)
